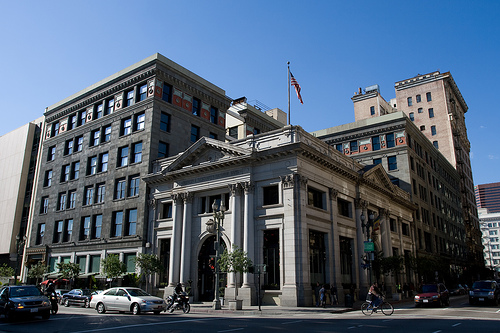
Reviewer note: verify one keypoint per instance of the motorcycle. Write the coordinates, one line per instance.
(54, 303)
(178, 302)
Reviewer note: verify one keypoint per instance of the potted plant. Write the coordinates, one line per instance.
(236, 261)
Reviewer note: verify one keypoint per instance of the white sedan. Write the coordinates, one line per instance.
(130, 299)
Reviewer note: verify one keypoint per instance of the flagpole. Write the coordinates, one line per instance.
(288, 64)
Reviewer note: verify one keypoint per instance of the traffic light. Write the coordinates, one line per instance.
(211, 264)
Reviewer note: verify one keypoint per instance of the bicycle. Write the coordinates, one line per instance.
(367, 308)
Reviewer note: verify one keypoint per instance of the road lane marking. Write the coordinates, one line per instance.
(292, 322)
(234, 329)
(149, 324)
(455, 325)
(437, 331)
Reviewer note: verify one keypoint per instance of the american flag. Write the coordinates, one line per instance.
(296, 85)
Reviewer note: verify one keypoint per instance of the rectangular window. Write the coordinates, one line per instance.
(68, 147)
(110, 106)
(133, 186)
(44, 207)
(95, 263)
(316, 198)
(65, 172)
(166, 210)
(72, 199)
(418, 98)
(82, 117)
(101, 192)
(126, 127)
(137, 152)
(40, 233)
(422, 127)
(106, 133)
(410, 102)
(375, 143)
(139, 122)
(214, 115)
(122, 156)
(344, 207)
(58, 232)
(85, 229)
(433, 130)
(165, 122)
(129, 95)
(143, 92)
(55, 129)
(431, 113)
(68, 230)
(51, 155)
(428, 96)
(97, 226)
(435, 144)
(412, 116)
(195, 133)
(353, 145)
(129, 259)
(340, 148)
(92, 165)
(120, 188)
(196, 108)
(103, 162)
(131, 222)
(162, 149)
(372, 110)
(392, 163)
(61, 202)
(95, 137)
(89, 195)
(72, 122)
(167, 93)
(390, 140)
(405, 228)
(117, 224)
(420, 110)
(270, 195)
(98, 111)
(233, 132)
(377, 161)
(212, 136)
(75, 170)
(48, 178)
(79, 143)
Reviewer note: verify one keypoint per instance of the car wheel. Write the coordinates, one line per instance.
(87, 303)
(100, 308)
(136, 309)
(9, 315)
(66, 302)
(156, 312)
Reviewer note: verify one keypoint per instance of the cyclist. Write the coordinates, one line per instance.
(375, 295)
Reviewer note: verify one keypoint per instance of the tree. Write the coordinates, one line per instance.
(69, 270)
(148, 264)
(112, 267)
(236, 261)
(37, 271)
(6, 271)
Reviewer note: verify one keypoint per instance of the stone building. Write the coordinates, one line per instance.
(294, 204)
(98, 144)
(490, 230)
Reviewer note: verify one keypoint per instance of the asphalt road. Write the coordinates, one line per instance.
(459, 317)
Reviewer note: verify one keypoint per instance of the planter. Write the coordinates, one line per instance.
(235, 304)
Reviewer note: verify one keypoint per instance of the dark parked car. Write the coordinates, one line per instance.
(23, 300)
(484, 291)
(60, 293)
(457, 290)
(78, 297)
(435, 294)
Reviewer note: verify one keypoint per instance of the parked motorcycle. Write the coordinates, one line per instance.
(178, 302)
(53, 303)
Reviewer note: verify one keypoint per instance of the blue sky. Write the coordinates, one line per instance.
(53, 49)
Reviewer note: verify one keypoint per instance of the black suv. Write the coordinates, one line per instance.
(484, 291)
(25, 300)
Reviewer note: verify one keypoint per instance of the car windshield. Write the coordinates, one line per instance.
(429, 288)
(24, 292)
(86, 292)
(137, 292)
(482, 285)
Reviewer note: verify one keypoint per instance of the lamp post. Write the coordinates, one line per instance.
(368, 227)
(19, 253)
(218, 214)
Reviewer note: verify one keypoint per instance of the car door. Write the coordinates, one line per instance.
(109, 299)
(122, 300)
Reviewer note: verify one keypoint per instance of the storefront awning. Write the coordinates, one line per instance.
(86, 275)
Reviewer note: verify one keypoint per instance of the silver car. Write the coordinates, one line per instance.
(130, 299)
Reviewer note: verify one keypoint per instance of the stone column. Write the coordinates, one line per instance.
(175, 243)
(248, 230)
(186, 238)
(361, 208)
(385, 232)
(235, 192)
(334, 246)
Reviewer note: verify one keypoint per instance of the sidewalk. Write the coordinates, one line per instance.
(274, 310)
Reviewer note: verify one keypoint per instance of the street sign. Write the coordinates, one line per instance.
(369, 246)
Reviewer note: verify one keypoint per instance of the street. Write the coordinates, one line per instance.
(459, 317)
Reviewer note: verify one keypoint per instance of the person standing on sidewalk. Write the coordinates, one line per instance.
(322, 300)
(333, 294)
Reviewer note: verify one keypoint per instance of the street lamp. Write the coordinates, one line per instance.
(19, 253)
(367, 226)
(218, 213)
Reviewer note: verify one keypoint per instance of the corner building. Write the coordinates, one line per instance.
(97, 146)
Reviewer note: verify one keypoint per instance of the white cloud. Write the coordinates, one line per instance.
(492, 157)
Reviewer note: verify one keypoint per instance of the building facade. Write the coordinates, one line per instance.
(18, 161)
(490, 229)
(488, 196)
(293, 204)
(98, 144)
(417, 167)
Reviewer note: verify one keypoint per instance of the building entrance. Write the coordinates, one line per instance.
(206, 275)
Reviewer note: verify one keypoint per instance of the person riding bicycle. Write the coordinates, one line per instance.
(375, 295)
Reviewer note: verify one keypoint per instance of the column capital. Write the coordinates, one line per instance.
(333, 193)
(187, 197)
(177, 197)
(234, 189)
(248, 187)
(360, 203)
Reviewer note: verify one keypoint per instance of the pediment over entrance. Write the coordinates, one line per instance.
(377, 175)
(206, 151)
